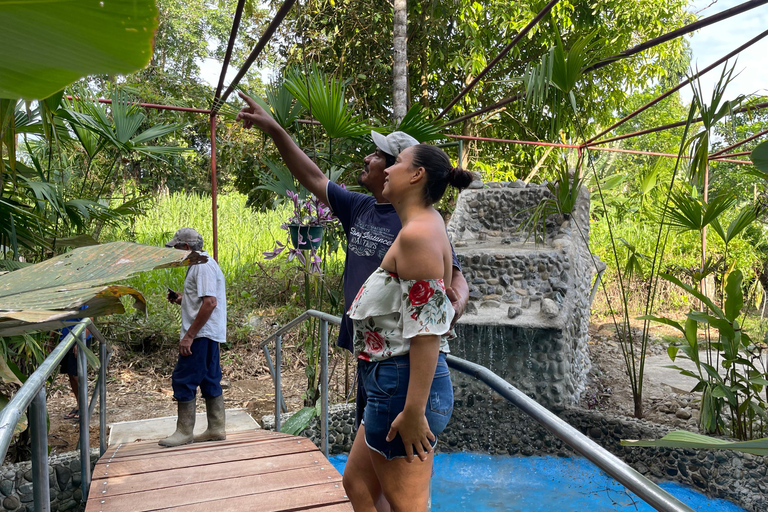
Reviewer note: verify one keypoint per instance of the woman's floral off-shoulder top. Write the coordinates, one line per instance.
(388, 311)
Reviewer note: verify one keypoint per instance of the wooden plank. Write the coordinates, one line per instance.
(338, 507)
(277, 501)
(151, 447)
(255, 486)
(207, 473)
(214, 456)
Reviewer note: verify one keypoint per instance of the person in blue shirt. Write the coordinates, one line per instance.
(69, 363)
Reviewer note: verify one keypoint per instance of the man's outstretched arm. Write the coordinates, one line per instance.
(300, 165)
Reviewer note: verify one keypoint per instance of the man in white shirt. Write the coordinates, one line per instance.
(203, 326)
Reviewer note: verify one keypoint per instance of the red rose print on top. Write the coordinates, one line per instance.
(420, 293)
(374, 342)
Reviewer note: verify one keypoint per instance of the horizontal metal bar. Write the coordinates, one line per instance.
(296, 321)
(11, 413)
(648, 491)
(149, 105)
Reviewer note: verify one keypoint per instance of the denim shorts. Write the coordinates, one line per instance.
(386, 385)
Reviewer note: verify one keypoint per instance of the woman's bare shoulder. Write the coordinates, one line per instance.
(420, 251)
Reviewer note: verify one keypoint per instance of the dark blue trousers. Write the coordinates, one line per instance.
(202, 369)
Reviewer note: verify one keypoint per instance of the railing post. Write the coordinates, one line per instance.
(102, 398)
(324, 382)
(41, 489)
(82, 405)
(278, 392)
(272, 373)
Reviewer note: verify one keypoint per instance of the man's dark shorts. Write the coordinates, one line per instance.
(202, 369)
(69, 363)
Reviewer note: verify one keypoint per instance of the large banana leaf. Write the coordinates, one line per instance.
(683, 439)
(47, 44)
(42, 296)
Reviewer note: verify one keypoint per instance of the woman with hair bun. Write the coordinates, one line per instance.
(402, 320)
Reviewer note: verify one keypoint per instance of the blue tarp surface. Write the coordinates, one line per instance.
(470, 482)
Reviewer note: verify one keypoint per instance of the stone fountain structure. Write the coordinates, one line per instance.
(530, 292)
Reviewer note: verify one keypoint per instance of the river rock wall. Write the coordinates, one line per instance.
(530, 280)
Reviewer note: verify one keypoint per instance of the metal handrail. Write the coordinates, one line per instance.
(277, 336)
(31, 396)
(648, 491)
(645, 489)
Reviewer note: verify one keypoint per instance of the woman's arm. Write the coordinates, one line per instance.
(412, 422)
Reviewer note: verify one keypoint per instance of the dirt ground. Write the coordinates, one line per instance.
(139, 387)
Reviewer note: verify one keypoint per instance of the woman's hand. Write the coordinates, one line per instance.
(414, 431)
(254, 115)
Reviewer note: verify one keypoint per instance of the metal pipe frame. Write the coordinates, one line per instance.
(276, 21)
(214, 190)
(740, 143)
(230, 45)
(149, 105)
(631, 51)
(679, 86)
(648, 491)
(500, 56)
(758, 106)
(728, 13)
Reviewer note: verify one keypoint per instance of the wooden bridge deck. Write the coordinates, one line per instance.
(255, 470)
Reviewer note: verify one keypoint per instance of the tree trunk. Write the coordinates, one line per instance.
(400, 62)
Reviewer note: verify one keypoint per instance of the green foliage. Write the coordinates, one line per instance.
(683, 439)
(323, 98)
(299, 421)
(45, 46)
(728, 379)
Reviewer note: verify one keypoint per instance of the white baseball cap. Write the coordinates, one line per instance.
(393, 143)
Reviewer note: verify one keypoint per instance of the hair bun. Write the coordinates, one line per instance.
(459, 178)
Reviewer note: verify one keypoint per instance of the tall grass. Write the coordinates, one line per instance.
(243, 234)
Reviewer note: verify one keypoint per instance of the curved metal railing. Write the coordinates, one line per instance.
(32, 396)
(648, 491)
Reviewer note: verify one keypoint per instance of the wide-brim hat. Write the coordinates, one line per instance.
(185, 236)
(393, 143)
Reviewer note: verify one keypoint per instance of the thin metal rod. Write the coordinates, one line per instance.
(741, 142)
(218, 102)
(104, 358)
(214, 189)
(741, 153)
(671, 125)
(278, 392)
(82, 405)
(648, 491)
(500, 56)
(513, 141)
(324, 384)
(230, 45)
(149, 105)
(483, 110)
(11, 413)
(272, 373)
(679, 86)
(41, 486)
(728, 13)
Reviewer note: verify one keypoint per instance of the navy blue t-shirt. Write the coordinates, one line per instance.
(371, 228)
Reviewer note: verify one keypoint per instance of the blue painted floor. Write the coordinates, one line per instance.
(469, 482)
